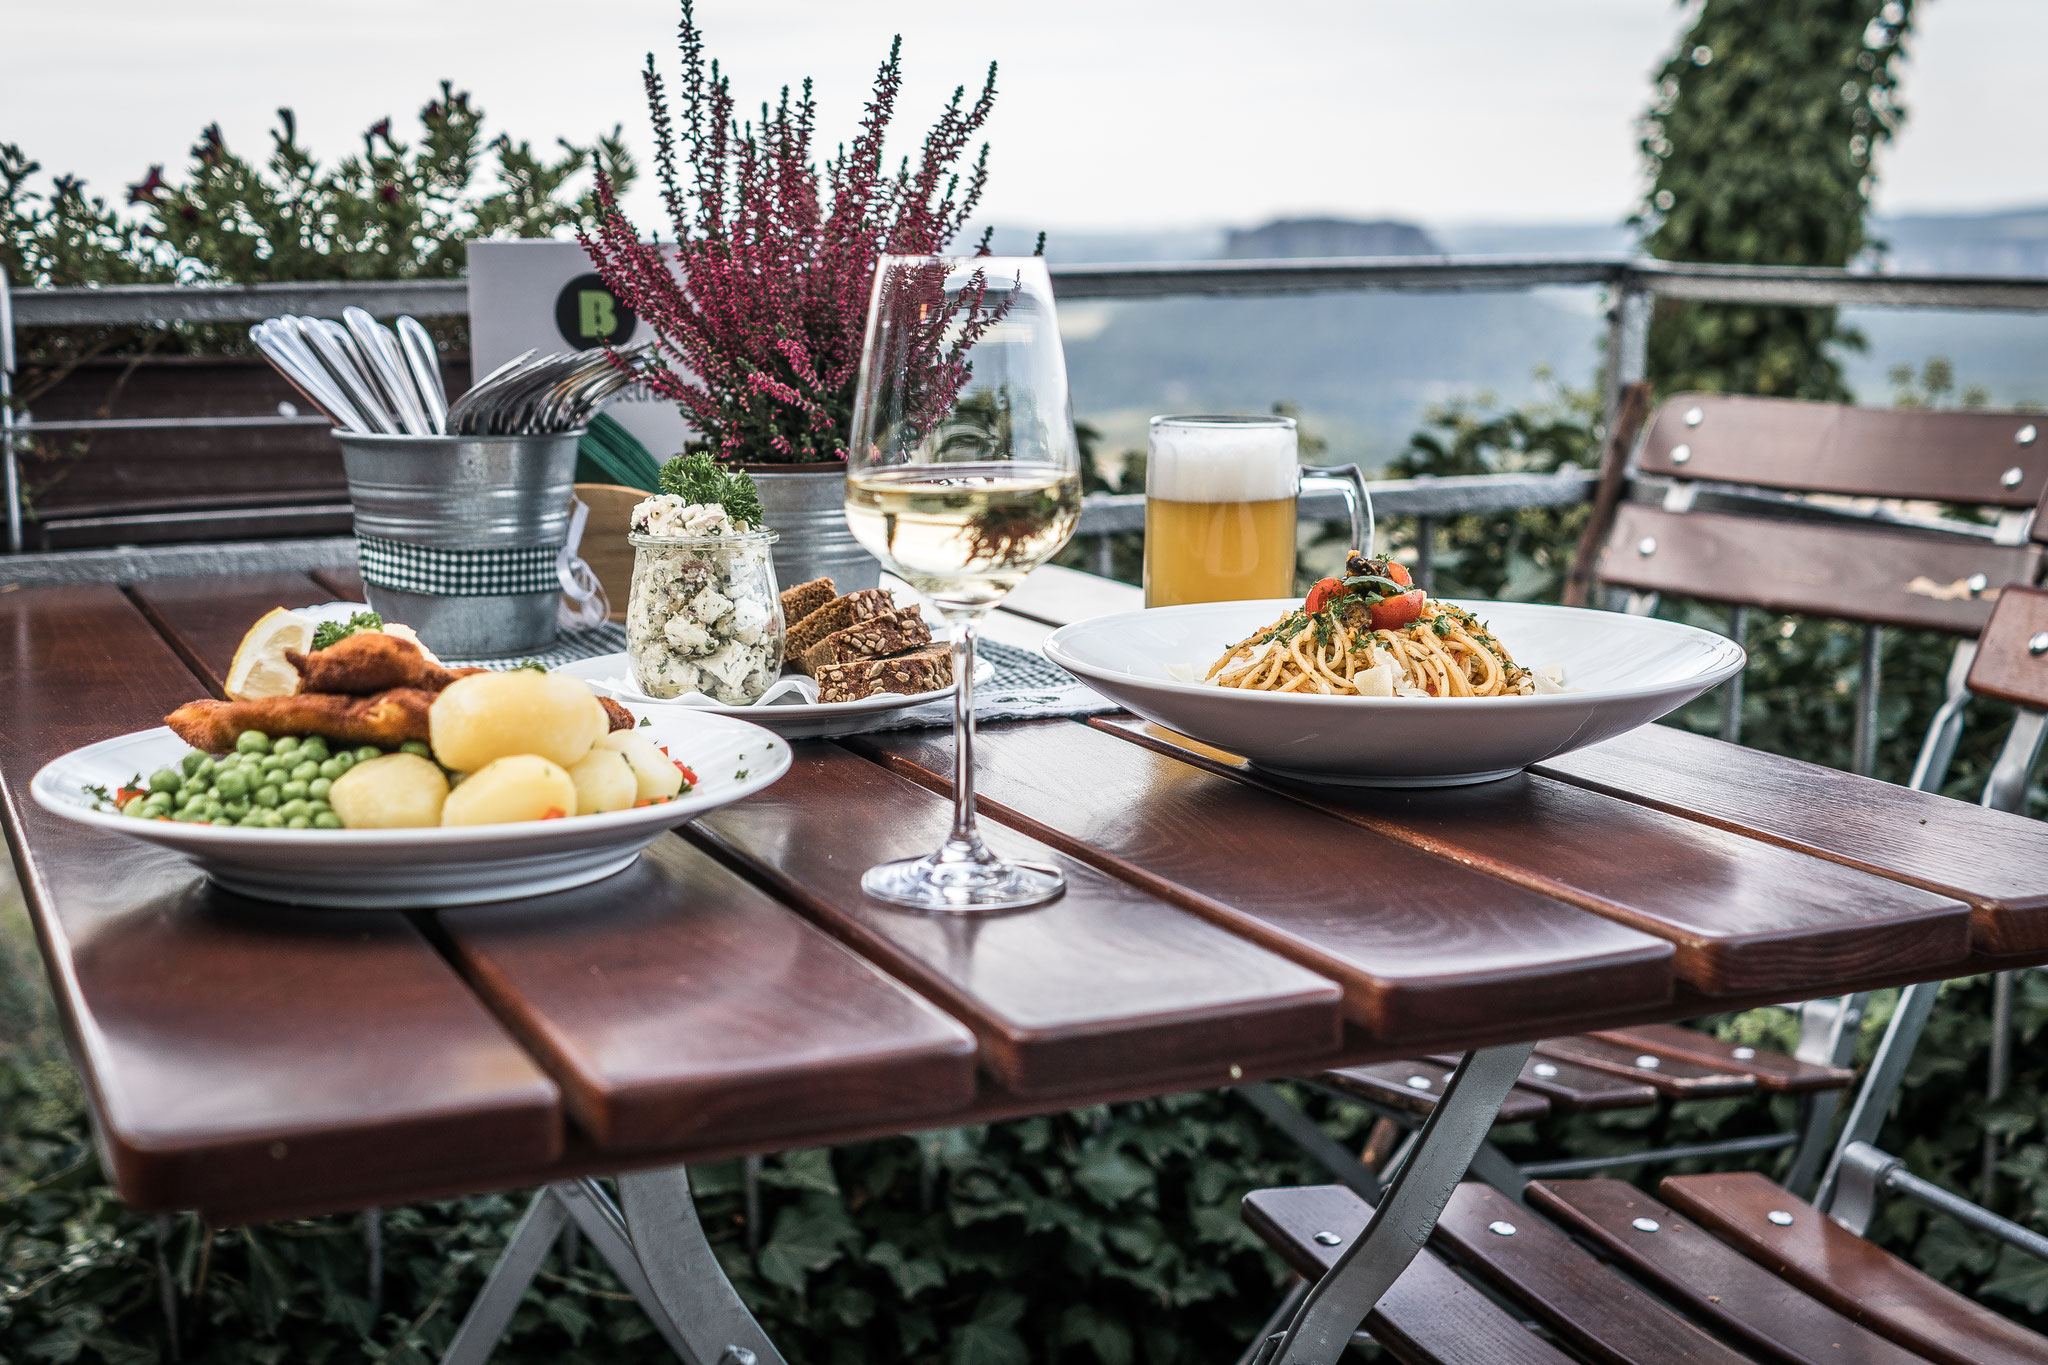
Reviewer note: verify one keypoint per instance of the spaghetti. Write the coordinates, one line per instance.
(1372, 634)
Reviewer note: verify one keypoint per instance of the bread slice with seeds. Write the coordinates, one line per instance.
(837, 614)
(921, 670)
(803, 599)
(891, 633)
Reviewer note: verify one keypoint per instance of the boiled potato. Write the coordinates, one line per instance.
(397, 791)
(505, 790)
(489, 716)
(604, 781)
(655, 771)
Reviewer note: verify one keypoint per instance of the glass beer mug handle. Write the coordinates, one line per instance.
(1351, 484)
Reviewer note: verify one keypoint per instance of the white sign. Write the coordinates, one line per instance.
(545, 295)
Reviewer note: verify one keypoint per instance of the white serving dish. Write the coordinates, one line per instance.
(1620, 671)
(790, 719)
(407, 868)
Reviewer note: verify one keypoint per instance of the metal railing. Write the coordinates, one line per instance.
(1632, 285)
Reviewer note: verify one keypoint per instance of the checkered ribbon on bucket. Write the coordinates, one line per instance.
(457, 573)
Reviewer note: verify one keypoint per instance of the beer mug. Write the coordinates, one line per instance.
(1220, 508)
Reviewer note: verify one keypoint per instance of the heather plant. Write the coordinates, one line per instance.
(760, 302)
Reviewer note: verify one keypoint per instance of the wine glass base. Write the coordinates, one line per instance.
(962, 886)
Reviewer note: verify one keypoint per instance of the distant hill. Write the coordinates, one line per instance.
(1362, 367)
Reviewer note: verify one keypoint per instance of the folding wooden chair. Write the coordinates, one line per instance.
(1789, 507)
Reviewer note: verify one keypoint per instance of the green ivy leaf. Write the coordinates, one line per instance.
(912, 1274)
(806, 1239)
(990, 1337)
(1111, 1177)
(2019, 1279)
(805, 1170)
(568, 1315)
(1083, 1324)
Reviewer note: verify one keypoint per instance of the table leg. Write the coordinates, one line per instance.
(492, 1311)
(1406, 1214)
(661, 1220)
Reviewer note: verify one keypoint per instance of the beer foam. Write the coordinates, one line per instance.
(1212, 460)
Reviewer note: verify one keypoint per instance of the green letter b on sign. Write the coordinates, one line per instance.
(588, 314)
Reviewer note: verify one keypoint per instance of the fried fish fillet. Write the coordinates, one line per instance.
(619, 716)
(369, 662)
(387, 720)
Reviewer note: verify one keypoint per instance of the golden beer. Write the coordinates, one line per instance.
(1219, 509)
(1218, 551)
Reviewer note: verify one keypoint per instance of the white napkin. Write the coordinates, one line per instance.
(791, 691)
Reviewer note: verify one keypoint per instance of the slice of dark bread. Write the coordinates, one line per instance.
(837, 614)
(803, 599)
(891, 633)
(921, 670)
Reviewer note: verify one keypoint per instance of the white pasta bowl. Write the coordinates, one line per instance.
(1619, 672)
(409, 868)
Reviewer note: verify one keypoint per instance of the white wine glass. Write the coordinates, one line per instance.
(962, 477)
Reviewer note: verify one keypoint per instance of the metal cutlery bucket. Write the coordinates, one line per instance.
(458, 536)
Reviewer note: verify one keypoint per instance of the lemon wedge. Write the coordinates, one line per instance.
(260, 668)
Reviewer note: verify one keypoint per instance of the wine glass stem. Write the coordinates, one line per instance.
(965, 840)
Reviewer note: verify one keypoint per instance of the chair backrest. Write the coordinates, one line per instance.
(2012, 655)
(1768, 551)
(604, 546)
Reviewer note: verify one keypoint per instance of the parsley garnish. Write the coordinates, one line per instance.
(334, 632)
(699, 479)
(98, 793)
(644, 723)
(533, 664)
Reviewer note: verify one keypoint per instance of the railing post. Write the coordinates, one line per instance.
(1866, 700)
(10, 468)
(1628, 343)
(1425, 553)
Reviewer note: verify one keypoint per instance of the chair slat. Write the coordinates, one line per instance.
(1859, 573)
(1858, 1279)
(1415, 1087)
(1675, 1077)
(1936, 456)
(1564, 1288)
(1429, 1317)
(1573, 1089)
(1770, 1070)
(2006, 667)
(1710, 1279)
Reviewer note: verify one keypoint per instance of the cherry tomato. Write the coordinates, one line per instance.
(1398, 573)
(554, 813)
(1323, 593)
(684, 768)
(1392, 613)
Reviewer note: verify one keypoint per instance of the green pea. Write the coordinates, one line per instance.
(252, 742)
(222, 821)
(232, 784)
(346, 759)
(166, 780)
(294, 791)
(284, 745)
(319, 787)
(366, 752)
(295, 807)
(305, 772)
(327, 819)
(416, 746)
(268, 795)
(313, 747)
(332, 768)
(316, 804)
(206, 769)
(299, 822)
(237, 808)
(190, 762)
(137, 810)
(210, 804)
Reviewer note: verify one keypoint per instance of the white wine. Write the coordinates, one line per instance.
(963, 534)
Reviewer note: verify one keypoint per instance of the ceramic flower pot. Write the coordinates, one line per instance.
(806, 506)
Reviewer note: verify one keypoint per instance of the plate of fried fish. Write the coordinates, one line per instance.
(349, 767)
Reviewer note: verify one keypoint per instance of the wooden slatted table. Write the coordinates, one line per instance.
(734, 992)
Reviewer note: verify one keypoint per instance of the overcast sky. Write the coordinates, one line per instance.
(1112, 113)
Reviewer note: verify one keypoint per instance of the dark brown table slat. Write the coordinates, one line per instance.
(675, 1001)
(205, 618)
(1107, 981)
(1745, 915)
(236, 1050)
(1422, 948)
(1996, 862)
(345, 584)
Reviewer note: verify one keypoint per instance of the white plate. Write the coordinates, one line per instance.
(422, 867)
(791, 720)
(1624, 671)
